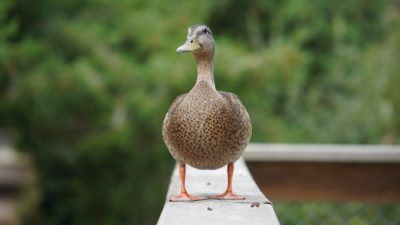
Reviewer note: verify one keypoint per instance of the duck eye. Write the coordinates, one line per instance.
(205, 30)
(191, 41)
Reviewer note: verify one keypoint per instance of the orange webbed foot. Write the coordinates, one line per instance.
(229, 195)
(185, 197)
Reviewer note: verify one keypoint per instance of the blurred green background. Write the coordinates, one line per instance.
(85, 85)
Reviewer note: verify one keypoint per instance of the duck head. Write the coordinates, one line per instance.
(199, 38)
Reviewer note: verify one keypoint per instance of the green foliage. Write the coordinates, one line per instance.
(312, 213)
(86, 85)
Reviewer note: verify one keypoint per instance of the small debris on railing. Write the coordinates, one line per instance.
(209, 209)
(255, 204)
(208, 183)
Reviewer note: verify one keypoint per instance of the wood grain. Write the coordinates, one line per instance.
(324, 181)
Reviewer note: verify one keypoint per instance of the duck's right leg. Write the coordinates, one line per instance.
(228, 194)
(184, 195)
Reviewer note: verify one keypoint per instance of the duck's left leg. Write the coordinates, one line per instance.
(228, 194)
(184, 195)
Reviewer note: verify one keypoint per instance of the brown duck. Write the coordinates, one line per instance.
(205, 128)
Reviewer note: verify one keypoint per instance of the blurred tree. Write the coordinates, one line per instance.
(8, 27)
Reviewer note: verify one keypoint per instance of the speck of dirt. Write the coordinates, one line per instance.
(255, 204)
(208, 183)
(209, 209)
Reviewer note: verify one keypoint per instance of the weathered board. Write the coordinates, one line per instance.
(336, 173)
(261, 152)
(333, 182)
(255, 209)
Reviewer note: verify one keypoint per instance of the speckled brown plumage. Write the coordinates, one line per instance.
(206, 128)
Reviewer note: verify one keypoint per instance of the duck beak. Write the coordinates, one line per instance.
(190, 45)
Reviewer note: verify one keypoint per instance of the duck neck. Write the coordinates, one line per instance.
(205, 67)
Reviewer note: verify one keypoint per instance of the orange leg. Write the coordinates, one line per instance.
(228, 194)
(184, 195)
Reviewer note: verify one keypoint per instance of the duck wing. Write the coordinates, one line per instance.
(239, 112)
(167, 120)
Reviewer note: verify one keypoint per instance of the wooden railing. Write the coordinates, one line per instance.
(255, 209)
(290, 172)
(262, 152)
(334, 173)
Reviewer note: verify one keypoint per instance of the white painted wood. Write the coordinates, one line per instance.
(323, 153)
(218, 212)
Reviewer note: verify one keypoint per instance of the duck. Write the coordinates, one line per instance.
(205, 128)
